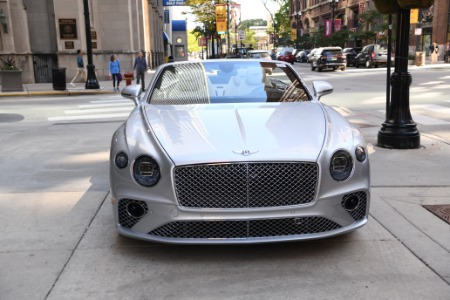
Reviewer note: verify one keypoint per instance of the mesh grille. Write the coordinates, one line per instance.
(244, 229)
(125, 219)
(243, 185)
(360, 211)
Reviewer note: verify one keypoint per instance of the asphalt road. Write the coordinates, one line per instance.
(59, 242)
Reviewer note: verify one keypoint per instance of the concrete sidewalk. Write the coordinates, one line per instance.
(46, 89)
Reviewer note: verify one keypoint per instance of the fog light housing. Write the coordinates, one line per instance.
(135, 209)
(146, 171)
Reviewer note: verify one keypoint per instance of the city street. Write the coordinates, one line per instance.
(59, 240)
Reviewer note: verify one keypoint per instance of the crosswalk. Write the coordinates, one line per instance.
(97, 110)
(119, 109)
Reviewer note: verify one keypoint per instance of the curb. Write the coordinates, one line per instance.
(54, 93)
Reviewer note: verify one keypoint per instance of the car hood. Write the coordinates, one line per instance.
(239, 132)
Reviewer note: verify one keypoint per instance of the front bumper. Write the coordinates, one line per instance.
(173, 224)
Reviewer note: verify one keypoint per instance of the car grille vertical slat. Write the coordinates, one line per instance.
(242, 185)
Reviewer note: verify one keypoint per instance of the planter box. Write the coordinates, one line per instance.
(12, 81)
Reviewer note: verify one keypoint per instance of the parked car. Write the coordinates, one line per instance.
(350, 56)
(258, 54)
(301, 56)
(328, 57)
(286, 56)
(201, 160)
(311, 53)
(372, 55)
(220, 152)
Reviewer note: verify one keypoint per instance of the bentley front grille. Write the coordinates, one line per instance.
(244, 229)
(246, 185)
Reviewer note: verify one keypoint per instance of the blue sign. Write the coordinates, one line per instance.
(166, 17)
(174, 2)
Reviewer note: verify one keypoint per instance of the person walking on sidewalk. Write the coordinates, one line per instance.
(114, 71)
(80, 67)
(434, 53)
(140, 66)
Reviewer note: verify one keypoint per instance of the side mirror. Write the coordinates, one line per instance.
(322, 88)
(132, 92)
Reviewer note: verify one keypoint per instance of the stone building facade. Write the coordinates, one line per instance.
(435, 27)
(45, 34)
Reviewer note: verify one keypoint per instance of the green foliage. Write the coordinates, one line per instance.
(9, 63)
(245, 24)
(250, 38)
(193, 42)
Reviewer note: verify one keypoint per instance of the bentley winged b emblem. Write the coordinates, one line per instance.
(245, 152)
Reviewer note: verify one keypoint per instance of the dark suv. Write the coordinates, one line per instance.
(328, 57)
(372, 55)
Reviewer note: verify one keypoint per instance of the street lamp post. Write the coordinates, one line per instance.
(297, 16)
(399, 131)
(333, 7)
(91, 80)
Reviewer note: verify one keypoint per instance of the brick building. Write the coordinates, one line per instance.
(313, 14)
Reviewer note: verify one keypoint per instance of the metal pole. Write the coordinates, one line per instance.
(333, 5)
(91, 80)
(399, 130)
(228, 26)
(297, 17)
(388, 75)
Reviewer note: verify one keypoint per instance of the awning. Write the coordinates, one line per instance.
(166, 38)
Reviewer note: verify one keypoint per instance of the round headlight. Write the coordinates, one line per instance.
(146, 171)
(360, 153)
(341, 165)
(121, 160)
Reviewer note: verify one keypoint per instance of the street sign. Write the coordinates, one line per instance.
(241, 35)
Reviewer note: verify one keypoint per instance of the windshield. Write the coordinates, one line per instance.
(227, 81)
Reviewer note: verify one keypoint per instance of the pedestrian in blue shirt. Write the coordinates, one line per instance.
(80, 67)
(140, 65)
(114, 71)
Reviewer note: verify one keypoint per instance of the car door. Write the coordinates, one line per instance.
(361, 57)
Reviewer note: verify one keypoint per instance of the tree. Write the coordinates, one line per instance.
(253, 22)
(372, 23)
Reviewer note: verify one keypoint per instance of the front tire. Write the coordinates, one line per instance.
(312, 67)
(343, 69)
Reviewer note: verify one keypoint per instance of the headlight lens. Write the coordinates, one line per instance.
(146, 171)
(121, 160)
(360, 153)
(341, 165)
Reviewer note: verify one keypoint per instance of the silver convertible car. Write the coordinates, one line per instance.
(236, 151)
